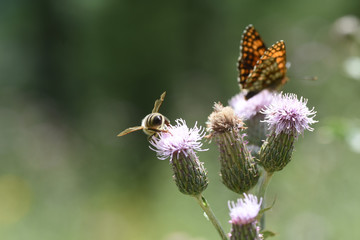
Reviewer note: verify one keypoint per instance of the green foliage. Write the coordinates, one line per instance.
(267, 234)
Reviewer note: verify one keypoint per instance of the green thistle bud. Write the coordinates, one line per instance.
(276, 151)
(248, 231)
(189, 173)
(256, 130)
(238, 169)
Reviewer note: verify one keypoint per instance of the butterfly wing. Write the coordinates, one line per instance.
(277, 51)
(252, 48)
(269, 71)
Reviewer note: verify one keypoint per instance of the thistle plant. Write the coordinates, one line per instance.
(255, 137)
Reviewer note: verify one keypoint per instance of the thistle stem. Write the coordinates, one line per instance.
(265, 180)
(264, 183)
(206, 207)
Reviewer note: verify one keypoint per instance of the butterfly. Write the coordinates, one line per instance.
(260, 67)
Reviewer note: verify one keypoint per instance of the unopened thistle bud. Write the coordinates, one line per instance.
(244, 223)
(238, 169)
(287, 118)
(179, 143)
(250, 112)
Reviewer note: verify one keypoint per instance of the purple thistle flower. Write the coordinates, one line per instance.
(244, 223)
(178, 139)
(289, 115)
(245, 210)
(247, 109)
(179, 143)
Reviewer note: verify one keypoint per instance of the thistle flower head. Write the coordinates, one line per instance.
(244, 211)
(286, 114)
(238, 169)
(179, 143)
(178, 139)
(223, 119)
(246, 109)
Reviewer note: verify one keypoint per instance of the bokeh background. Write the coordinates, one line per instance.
(75, 73)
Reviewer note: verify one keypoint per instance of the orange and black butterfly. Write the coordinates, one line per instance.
(260, 67)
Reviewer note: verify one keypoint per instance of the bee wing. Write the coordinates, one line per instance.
(158, 103)
(129, 130)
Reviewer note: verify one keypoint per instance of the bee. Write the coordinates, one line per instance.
(152, 123)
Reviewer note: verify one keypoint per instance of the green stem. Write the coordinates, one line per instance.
(265, 180)
(205, 206)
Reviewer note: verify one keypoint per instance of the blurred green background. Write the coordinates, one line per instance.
(73, 74)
